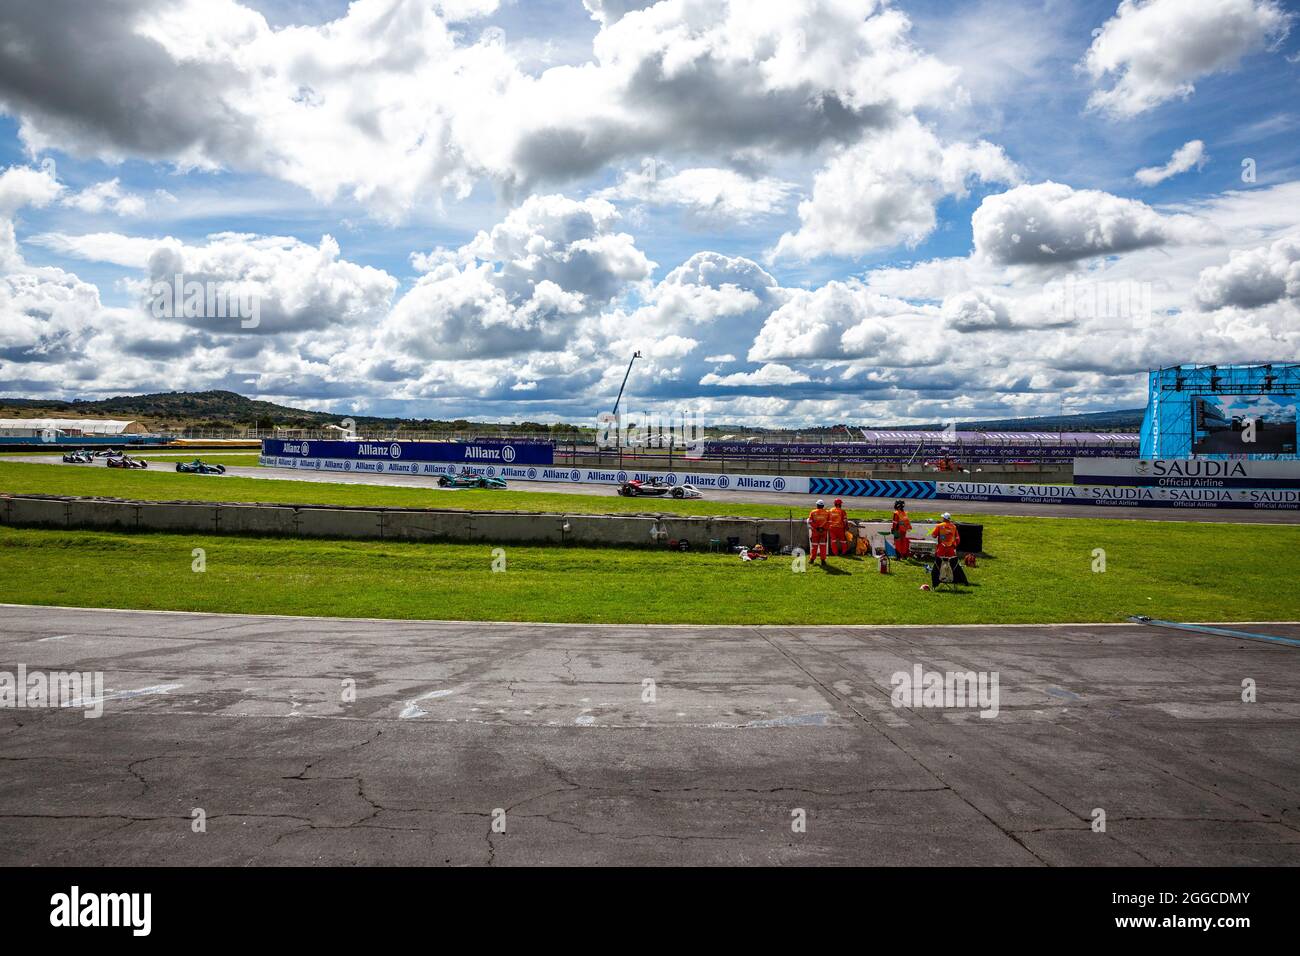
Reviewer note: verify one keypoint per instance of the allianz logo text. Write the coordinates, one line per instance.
(383, 451)
(505, 453)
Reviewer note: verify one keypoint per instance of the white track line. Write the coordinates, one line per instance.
(407, 620)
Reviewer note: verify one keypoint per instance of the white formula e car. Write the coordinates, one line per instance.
(657, 488)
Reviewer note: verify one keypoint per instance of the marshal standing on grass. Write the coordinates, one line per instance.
(946, 537)
(946, 569)
(819, 520)
(901, 525)
(838, 525)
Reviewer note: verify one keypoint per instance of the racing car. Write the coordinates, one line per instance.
(106, 453)
(79, 457)
(468, 480)
(657, 488)
(199, 467)
(126, 461)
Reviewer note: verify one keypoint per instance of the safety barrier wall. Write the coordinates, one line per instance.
(1023, 471)
(570, 474)
(489, 527)
(1122, 496)
(486, 451)
(1188, 473)
(911, 490)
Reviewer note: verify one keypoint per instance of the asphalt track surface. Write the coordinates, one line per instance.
(799, 502)
(243, 718)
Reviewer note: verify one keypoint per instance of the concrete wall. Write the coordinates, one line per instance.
(92, 513)
(401, 524)
(36, 511)
(489, 527)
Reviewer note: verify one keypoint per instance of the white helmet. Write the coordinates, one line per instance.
(946, 516)
(820, 503)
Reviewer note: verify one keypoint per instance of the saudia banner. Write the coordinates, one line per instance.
(1187, 473)
(1121, 496)
(482, 452)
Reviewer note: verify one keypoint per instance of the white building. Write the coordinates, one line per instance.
(37, 428)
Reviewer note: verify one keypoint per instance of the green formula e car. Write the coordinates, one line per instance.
(467, 480)
(199, 467)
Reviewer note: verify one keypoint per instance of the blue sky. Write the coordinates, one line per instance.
(857, 212)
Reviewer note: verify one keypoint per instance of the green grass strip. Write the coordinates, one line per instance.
(1039, 571)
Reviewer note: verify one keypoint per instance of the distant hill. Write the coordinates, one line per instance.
(172, 407)
(222, 409)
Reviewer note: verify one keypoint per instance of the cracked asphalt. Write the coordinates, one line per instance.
(453, 724)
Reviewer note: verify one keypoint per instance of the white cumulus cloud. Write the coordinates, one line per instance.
(106, 196)
(1155, 50)
(770, 374)
(520, 286)
(1190, 154)
(882, 191)
(1048, 223)
(1253, 277)
(707, 194)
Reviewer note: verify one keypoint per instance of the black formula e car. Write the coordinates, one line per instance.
(468, 480)
(126, 461)
(79, 457)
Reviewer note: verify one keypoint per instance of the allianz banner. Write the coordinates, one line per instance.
(1187, 472)
(491, 452)
(560, 473)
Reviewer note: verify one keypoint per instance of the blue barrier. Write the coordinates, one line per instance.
(871, 488)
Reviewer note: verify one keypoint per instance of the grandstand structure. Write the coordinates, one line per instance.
(903, 447)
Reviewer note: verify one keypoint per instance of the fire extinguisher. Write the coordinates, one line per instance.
(884, 564)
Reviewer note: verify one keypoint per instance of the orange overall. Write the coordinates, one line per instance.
(902, 524)
(837, 526)
(947, 539)
(818, 521)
